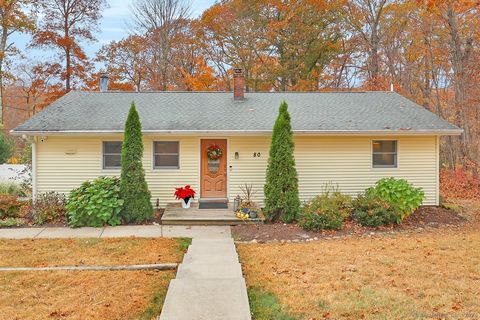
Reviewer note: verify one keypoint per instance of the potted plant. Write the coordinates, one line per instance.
(185, 194)
(248, 209)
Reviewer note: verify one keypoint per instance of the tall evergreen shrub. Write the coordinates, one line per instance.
(281, 187)
(133, 187)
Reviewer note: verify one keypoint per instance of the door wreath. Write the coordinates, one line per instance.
(214, 152)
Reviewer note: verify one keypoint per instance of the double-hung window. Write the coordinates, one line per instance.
(384, 154)
(166, 155)
(112, 154)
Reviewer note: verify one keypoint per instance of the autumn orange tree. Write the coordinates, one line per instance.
(429, 50)
(64, 25)
(39, 83)
(232, 40)
(126, 60)
(14, 17)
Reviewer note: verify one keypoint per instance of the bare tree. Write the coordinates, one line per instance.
(365, 18)
(156, 14)
(160, 21)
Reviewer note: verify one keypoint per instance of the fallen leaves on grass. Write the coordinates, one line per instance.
(387, 277)
(85, 294)
(459, 184)
(109, 251)
(82, 295)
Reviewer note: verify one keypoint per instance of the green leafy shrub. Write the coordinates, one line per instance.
(49, 207)
(9, 206)
(402, 197)
(371, 211)
(281, 185)
(133, 188)
(11, 188)
(10, 222)
(95, 203)
(6, 147)
(326, 211)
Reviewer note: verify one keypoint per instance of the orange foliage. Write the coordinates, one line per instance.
(458, 184)
(201, 78)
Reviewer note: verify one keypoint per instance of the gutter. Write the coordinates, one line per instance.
(451, 132)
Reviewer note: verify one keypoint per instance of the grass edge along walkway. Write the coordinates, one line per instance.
(265, 305)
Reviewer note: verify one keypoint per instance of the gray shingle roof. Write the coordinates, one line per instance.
(217, 111)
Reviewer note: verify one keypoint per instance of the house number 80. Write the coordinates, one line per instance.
(257, 154)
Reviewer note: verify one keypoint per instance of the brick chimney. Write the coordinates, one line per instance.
(238, 84)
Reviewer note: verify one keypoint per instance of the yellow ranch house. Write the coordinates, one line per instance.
(349, 139)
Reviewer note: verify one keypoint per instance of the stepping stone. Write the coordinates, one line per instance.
(208, 270)
(206, 299)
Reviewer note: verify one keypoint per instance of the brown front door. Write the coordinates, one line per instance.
(213, 172)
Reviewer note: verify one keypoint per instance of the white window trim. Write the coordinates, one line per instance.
(104, 168)
(155, 167)
(396, 153)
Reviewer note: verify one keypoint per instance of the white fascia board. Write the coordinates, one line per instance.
(453, 132)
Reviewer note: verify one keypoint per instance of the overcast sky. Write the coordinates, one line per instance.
(113, 26)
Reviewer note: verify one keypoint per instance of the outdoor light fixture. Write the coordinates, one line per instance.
(236, 155)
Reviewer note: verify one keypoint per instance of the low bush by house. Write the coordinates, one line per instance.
(389, 201)
(9, 206)
(402, 197)
(49, 207)
(371, 211)
(13, 211)
(326, 211)
(11, 188)
(95, 203)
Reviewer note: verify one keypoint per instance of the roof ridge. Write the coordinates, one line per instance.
(247, 92)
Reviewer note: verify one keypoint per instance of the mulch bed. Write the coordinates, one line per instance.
(27, 221)
(431, 216)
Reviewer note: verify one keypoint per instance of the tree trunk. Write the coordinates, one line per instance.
(3, 47)
(68, 58)
(459, 58)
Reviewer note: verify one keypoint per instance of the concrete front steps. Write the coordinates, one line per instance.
(209, 284)
(176, 215)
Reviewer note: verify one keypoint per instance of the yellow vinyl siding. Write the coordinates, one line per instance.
(346, 161)
(248, 169)
(61, 172)
(342, 161)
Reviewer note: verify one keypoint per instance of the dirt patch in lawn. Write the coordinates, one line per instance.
(429, 275)
(61, 252)
(433, 217)
(85, 294)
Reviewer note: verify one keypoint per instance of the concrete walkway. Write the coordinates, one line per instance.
(150, 231)
(209, 284)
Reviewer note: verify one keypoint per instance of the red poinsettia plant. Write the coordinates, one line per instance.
(184, 193)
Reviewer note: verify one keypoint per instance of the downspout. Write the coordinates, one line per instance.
(34, 169)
